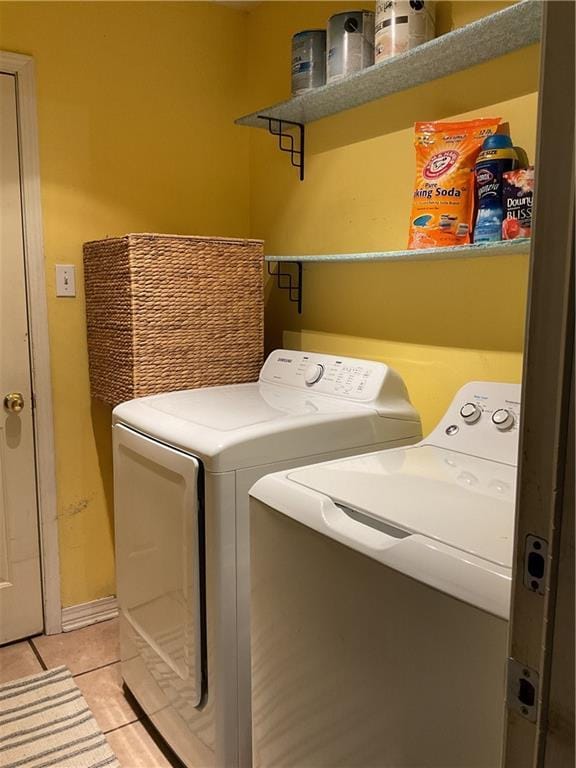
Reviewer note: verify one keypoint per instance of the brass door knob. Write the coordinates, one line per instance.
(14, 402)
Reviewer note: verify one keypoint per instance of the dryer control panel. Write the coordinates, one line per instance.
(325, 374)
(347, 378)
(482, 420)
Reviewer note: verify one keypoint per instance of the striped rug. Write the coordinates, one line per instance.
(45, 721)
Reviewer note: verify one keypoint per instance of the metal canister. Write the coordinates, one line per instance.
(350, 43)
(308, 60)
(402, 25)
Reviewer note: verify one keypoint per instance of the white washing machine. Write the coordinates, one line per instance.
(183, 465)
(380, 599)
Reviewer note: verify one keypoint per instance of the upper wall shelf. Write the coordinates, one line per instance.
(488, 38)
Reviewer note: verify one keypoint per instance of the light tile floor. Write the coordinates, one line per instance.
(92, 655)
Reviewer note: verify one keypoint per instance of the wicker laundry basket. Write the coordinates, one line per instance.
(168, 312)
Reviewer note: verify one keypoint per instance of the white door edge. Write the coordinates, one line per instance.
(24, 70)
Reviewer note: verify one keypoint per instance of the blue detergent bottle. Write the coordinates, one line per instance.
(496, 157)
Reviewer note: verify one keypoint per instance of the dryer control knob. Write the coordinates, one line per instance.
(503, 419)
(470, 413)
(313, 373)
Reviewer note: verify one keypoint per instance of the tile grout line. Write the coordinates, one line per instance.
(36, 653)
(119, 727)
(95, 669)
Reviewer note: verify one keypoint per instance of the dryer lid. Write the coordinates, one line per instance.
(461, 501)
(240, 406)
(304, 405)
(246, 425)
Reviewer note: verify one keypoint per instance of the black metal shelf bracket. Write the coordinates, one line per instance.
(291, 141)
(288, 281)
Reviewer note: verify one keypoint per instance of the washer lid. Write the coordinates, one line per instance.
(244, 425)
(461, 501)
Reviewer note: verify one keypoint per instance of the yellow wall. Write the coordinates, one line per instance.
(136, 103)
(439, 323)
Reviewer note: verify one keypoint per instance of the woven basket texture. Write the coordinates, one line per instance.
(170, 312)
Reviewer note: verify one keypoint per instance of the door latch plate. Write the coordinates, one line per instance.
(535, 564)
(523, 689)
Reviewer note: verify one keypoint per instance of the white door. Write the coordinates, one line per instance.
(20, 582)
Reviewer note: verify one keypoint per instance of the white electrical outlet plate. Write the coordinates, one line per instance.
(65, 280)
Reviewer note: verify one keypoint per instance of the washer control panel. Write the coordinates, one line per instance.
(482, 420)
(345, 377)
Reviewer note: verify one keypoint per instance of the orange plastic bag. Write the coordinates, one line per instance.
(443, 201)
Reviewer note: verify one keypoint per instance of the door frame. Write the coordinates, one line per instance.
(23, 69)
(542, 610)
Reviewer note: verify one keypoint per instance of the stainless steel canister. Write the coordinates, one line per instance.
(308, 60)
(350, 43)
(402, 25)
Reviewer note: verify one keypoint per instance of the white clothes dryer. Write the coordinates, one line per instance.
(183, 465)
(380, 598)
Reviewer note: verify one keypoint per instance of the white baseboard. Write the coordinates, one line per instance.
(84, 614)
